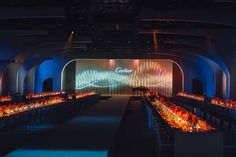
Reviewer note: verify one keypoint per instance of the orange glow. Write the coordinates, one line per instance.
(179, 118)
(155, 41)
(83, 94)
(8, 110)
(68, 44)
(136, 62)
(11, 109)
(112, 63)
(5, 98)
(192, 96)
(231, 104)
(44, 94)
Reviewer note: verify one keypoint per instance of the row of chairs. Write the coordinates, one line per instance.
(205, 108)
(40, 115)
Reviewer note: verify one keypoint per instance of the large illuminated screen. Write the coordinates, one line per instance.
(120, 76)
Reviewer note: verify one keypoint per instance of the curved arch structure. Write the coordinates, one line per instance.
(73, 60)
(192, 54)
(182, 59)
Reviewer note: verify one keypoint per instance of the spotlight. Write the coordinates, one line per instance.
(72, 32)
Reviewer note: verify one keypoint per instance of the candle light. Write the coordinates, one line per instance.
(48, 99)
(5, 98)
(179, 118)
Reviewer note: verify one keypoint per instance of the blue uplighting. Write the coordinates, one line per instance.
(57, 153)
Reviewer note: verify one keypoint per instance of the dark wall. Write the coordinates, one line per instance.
(219, 85)
(197, 87)
(48, 85)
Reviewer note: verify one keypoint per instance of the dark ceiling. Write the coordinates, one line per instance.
(120, 22)
(159, 4)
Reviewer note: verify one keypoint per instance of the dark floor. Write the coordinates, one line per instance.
(87, 135)
(134, 138)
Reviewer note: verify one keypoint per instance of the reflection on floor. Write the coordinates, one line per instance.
(87, 135)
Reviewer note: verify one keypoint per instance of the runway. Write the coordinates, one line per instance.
(89, 134)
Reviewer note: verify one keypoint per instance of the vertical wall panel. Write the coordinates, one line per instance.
(177, 79)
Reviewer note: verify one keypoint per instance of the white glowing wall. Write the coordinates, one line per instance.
(119, 76)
